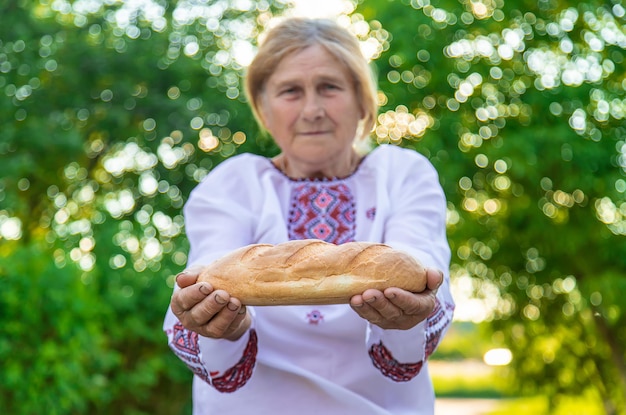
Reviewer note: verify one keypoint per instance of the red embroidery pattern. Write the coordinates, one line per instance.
(322, 211)
(315, 317)
(238, 375)
(185, 346)
(402, 372)
(437, 322)
(390, 367)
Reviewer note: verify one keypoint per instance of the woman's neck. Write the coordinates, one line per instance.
(340, 169)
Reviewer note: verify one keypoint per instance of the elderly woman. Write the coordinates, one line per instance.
(312, 90)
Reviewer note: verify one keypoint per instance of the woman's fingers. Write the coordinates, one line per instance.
(189, 276)
(187, 298)
(395, 308)
(434, 278)
(210, 313)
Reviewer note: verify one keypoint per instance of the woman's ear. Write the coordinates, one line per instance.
(362, 112)
(262, 117)
(261, 112)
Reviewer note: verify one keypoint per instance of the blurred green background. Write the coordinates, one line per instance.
(112, 111)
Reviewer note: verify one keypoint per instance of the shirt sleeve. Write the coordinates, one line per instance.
(218, 219)
(219, 213)
(416, 224)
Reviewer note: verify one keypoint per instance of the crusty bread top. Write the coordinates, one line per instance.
(312, 272)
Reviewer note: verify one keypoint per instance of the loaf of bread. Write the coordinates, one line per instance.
(312, 272)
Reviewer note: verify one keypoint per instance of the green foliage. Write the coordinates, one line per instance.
(114, 112)
(530, 148)
(464, 340)
(37, 313)
(101, 142)
(66, 349)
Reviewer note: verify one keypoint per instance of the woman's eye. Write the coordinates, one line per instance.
(289, 91)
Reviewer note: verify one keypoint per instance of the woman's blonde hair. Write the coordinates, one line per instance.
(295, 34)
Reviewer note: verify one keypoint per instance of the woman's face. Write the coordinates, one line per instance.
(309, 106)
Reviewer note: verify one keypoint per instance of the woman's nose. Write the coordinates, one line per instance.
(313, 108)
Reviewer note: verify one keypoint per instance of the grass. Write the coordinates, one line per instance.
(465, 379)
(457, 371)
(472, 380)
(538, 405)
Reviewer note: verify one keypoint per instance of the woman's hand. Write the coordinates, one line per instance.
(395, 308)
(208, 312)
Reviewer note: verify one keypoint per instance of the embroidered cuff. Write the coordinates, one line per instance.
(185, 344)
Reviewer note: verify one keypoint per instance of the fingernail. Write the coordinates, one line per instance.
(232, 306)
(371, 300)
(181, 274)
(242, 310)
(204, 289)
(219, 299)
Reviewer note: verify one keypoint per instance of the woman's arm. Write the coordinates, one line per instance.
(405, 328)
(207, 329)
